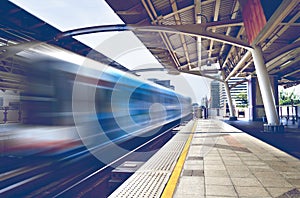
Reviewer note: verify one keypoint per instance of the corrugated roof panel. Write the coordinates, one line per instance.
(169, 21)
(234, 31)
(193, 54)
(162, 7)
(184, 3)
(221, 30)
(192, 47)
(175, 41)
(187, 17)
(226, 10)
(190, 39)
(207, 11)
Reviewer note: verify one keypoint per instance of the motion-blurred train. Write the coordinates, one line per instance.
(104, 104)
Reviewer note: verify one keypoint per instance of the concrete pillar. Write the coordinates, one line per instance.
(256, 105)
(265, 87)
(251, 98)
(229, 100)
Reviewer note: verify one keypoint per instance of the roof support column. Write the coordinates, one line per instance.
(229, 99)
(265, 87)
(198, 21)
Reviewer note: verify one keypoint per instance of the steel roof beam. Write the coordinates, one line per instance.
(178, 22)
(239, 65)
(290, 74)
(162, 34)
(198, 73)
(241, 31)
(11, 76)
(216, 16)
(195, 30)
(11, 85)
(286, 65)
(283, 50)
(174, 13)
(198, 5)
(233, 16)
(187, 29)
(281, 31)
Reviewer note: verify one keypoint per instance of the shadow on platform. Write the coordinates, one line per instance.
(289, 141)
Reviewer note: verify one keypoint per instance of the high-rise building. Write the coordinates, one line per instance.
(215, 94)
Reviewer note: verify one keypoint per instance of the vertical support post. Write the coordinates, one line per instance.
(265, 87)
(5, 114)
(229, 99)
(252, 98)
(197, 4)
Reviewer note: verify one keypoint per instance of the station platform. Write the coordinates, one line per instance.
(288, 141)
(210, 158)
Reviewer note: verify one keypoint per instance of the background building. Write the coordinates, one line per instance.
(215, 94)
(235, 91)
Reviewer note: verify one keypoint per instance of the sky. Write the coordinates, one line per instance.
(123, 47)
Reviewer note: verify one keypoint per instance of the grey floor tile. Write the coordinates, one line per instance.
(213, 162)
(276, 192)
(233, 163)
(274, 182)
(237, 168)
(193, 166)
(267, 174)
(188, 196)
(240, 174)
(294, 182)
(223, 191)
(254, 163)
(246, 182)
(264, 168)
(251, 191)
(222, 181)
(214, 167)
(190, 186)
(215, 173)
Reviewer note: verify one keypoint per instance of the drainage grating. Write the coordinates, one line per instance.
(151, 178)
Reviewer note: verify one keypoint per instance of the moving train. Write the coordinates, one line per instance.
(97, 103)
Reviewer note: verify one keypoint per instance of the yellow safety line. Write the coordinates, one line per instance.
(171, 185)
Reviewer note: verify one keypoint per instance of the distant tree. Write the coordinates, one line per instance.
(243, 98)
(286, 98)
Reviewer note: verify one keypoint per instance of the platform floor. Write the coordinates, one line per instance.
(235, 164)
(289, 141)
(219, 160)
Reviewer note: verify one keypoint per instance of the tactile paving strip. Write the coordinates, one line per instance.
(151, 178)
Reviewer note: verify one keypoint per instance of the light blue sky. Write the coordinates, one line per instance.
(70, 14)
